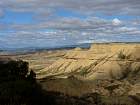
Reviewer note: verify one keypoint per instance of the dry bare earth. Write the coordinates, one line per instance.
(112, 70)
(38, 60)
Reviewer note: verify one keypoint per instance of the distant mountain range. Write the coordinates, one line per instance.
(6, 51)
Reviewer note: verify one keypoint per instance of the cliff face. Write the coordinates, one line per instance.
(109, 69)
(101, 61)
(119, 62)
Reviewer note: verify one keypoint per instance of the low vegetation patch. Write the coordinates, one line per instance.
(121, 55)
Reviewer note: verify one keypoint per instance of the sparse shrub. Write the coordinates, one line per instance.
(84, 72)
(125, 73)
(97, 98)
(32, 76)
(93, 98)
(112, 87)
(16, 86)
(13, 70)
(121, 55)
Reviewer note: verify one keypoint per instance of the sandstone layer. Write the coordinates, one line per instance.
(114, 66)
(101, 61)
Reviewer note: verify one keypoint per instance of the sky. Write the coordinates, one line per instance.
(54, 23)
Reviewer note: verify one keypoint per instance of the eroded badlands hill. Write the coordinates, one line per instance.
(114, 68)
(101, 61)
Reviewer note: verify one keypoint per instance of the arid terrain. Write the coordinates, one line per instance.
(111, 70)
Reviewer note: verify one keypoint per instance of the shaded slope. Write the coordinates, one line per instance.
(115, 67)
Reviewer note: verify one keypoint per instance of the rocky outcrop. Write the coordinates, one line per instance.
(101, 61)
(12, 69)
(116, 67)
(135, 93)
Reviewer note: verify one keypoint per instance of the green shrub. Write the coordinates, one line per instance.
(16, 85)
(121, 55)
(84, 72)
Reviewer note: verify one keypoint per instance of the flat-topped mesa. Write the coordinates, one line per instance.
(101, 61)
(98, 50)
(113, 47)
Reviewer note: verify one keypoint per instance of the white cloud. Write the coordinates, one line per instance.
(131, 7)
(128, 29)
(70, 29)
(116, 21)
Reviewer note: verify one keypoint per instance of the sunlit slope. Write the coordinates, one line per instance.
(101, 61)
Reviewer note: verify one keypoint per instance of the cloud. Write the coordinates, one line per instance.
(51, 29)
(67, 23)
(130, 7)
(135, 22)
(1, 13)
(67, 30)
(116, 21)
(95, 30)
(91, 24)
